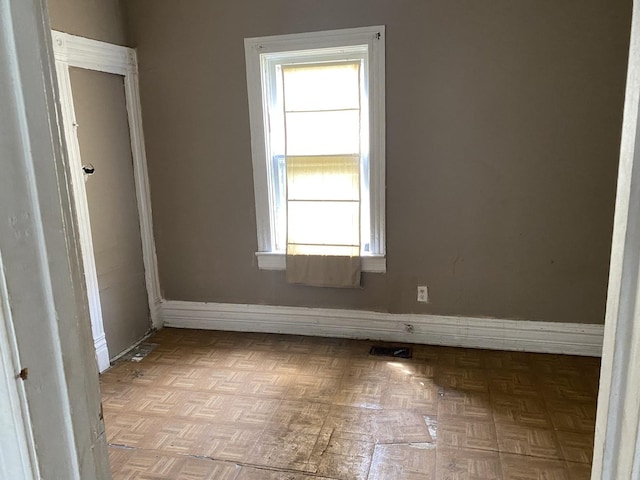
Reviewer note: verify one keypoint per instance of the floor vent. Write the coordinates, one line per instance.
(396, 352)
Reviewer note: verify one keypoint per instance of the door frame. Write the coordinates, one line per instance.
(617, 436)
(74, 51)
(47, 332)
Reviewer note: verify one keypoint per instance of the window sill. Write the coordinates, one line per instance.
(277, 261)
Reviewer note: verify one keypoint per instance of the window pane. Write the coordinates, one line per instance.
(312, 223)
(323, 133)
(323, 178)
(321, 86)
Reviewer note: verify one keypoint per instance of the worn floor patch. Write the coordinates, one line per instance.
(138, 353)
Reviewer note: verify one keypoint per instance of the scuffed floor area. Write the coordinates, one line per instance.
(242, 406)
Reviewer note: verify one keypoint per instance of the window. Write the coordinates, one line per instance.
(316, 104)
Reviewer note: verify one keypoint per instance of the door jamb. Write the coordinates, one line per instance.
(74, 51)
(617, 436)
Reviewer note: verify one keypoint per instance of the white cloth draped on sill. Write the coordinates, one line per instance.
(324, 270)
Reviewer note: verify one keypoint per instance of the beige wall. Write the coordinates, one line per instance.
(103, 136)
(96, 19)
(503, 130)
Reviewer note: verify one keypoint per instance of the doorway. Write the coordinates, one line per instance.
(103, 131)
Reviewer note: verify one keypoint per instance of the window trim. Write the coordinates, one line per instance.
(374, 38)
(277, 261)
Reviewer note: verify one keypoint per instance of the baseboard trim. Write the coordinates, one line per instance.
(473, 332)
(102, 353)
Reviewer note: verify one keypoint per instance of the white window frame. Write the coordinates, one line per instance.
(255, 48)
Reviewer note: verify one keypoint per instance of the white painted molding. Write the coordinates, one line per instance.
(102, 353)
(82, 208)
(74, 51)
(278, 261)
(92, 54)
(489, 333)
(143, 193)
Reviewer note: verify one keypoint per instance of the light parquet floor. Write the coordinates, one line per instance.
(242, 406)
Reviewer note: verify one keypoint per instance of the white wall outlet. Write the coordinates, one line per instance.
(423, 294)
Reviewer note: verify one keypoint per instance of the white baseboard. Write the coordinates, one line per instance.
(102, 353)
(489, 333)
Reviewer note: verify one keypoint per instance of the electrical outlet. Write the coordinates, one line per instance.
(423, 294)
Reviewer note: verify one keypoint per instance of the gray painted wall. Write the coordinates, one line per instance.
(103, 135)
(96, 19)
(503, 131)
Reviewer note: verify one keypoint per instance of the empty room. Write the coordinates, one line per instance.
(332, 240)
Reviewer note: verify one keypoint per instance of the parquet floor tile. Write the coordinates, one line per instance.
(528, 441)
(230, 442)
(578, 367)
(154, 465)
(518, 467)
(367, 369)
(300, 416)
(400, 426)
(360, 393)
(131, 430)
(523, 411)
(247, 410)
(233, 382)
(572, 416)
(341, 457)
(411, 395)
(403, 462)
(579, 471)
(410, 371)
(515, 361)
(284, 449)
(256, 473)
(465, 405)
(467, 464)
(322, 366)
(351, 421)
(463, 378)
(251, 406)
(576, 447)
(513, 382)
(321, 389)
(469, 434)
